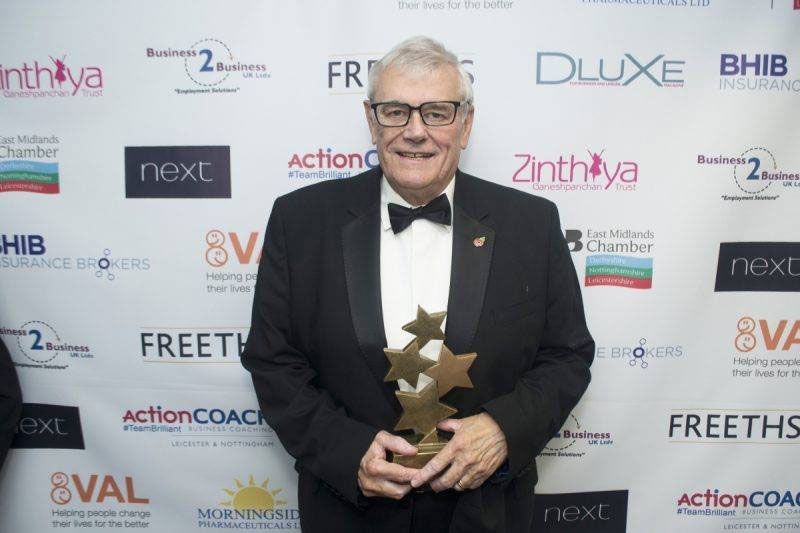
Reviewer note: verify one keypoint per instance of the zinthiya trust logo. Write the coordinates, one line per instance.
(202, 427)
(593, 171)
(29, 163)
(329, 164)
(211, 66)
(55, 77)
(754, 172)
(641, 353)
(97, 501)
(779, 506)
(573, 440)
(558, 68)
(766, 348)
(250, 506)
(40, 346)
(624, 260)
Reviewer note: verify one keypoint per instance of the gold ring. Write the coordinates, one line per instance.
(459, 486)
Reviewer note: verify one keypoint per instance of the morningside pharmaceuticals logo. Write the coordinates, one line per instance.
(177, 172)
(209, 66)
(753, 174)
(767, 507)
(575, 440)
(622, 70)
(250, 505)
(766, 349)
(29, 163)
(592, 170)
(92, 500)
(39, 345)
(587, 512)
(758, 267)
(615, 256)
(54, 76)
(327, 163)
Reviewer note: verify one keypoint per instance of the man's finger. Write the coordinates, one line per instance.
(439, 462)
(395, 444)
(451, 424)
(394, 472)
(456, 472)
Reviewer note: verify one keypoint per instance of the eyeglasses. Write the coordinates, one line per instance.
(396, 114)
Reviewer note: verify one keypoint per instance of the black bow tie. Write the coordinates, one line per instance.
(437, 210)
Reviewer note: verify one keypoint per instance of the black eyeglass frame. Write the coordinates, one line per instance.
(418, 108)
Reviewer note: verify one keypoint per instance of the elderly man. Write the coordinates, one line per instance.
(344, 267)
(10, 401)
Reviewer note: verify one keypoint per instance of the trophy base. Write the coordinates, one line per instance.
(425, 452)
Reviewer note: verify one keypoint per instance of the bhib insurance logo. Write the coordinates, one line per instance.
(251, 505)
(756, 72)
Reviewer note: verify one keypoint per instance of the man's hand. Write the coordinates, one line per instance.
(476, 450)
(378, 477)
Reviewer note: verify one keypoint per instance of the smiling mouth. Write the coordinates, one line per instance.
(415, 155)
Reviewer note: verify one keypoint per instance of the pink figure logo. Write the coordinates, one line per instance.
(597, 160)
(60, 68)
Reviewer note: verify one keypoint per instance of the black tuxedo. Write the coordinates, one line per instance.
(316, 343)
(10, 401)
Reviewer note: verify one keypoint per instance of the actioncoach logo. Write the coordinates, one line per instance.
(576, 172)
(55, 77)
(177, 172)
(28, 163)
(250, 506)
(732, 426)
(558, 68)
(598, 512)
(211, 66)
(192, 345)
(780, 506)
(348, 74)
(329, 164)
(202, 427)
(40, 346)
(641, 353)
(43, 425)
(573, 440)
(758, 266)
(755, 72)
(633, 270)
(753, 171)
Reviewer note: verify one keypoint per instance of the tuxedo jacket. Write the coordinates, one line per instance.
(315, 349)
(10, 401)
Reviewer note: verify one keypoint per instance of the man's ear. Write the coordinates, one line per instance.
(467, 126)
(371, 122)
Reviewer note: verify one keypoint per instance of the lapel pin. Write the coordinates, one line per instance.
(479, 241)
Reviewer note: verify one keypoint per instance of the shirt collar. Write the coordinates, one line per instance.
(390, 196)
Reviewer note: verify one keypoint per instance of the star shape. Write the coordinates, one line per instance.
(451, 370)
(407, 363)
(427, 326)
(422, 411)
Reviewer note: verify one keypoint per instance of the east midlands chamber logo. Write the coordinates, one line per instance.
(177, 172)
(210, 66)
(43, 425)
(199, 427)
(734, 426)
(598, 512)
(755, 173)
(641, 353)
(348, 73)
(627, 69)
(758, 266)
(29, 163)
(574, 439)
(228, 253)
(755, 72)
(32, 252)
(52, 77)
(97, 501)
(39, 345)
(329, 164)
(192, 345)
(768, 507)
(590, 171)
(252, 505)
(625, 258)
(766, 349)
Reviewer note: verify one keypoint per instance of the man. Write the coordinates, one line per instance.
(10, 401)
(344, 266)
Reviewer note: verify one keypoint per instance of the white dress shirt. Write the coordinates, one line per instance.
(415, 270)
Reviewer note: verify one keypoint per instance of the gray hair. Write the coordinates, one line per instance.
(420, 55)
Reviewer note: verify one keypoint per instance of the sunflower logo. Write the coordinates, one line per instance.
(252, 496)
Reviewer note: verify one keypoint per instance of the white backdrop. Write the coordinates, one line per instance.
(160, 466)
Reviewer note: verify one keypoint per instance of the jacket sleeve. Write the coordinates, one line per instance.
(10, 401)
(313, 429)
(546, 393)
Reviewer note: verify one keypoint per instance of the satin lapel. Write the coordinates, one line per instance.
(361, 246)
(473, 243)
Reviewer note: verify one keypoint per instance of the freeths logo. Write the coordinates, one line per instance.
(758, 266)
(573, 439)
(348, 74)
(557, 68)
(614, 269)
(248, 505)
(49, 426)
(192, 345)
(211, 66)
(780, 506)
(177, 172)
(28, 164)
(754, 171)
(755, 72)
(327, 164)
(56, 78)
(575, 172)
(42, 347)
(640, 354)
(598, 512)
(731, 426)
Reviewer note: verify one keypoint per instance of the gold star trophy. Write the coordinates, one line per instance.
(422, 410)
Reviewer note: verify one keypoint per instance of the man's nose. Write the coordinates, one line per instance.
(415, 130)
